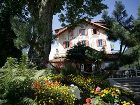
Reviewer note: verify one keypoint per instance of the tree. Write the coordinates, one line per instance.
(8, 9)
(81, 54)
(42, 12)
(121, 26)
(135, 51)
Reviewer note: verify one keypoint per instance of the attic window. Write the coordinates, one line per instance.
(94, 31)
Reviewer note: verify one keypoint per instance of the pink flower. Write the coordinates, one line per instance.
(98, 89)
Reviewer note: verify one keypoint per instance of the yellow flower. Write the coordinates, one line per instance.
(125, 103)
(102, 95)
(114, 94)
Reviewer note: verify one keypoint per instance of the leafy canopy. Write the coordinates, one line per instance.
(82, 54)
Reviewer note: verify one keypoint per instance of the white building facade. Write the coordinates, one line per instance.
(92, 34)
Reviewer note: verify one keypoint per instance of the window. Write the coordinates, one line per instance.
(67, 44)
(71, 33)
(94, 31)
(82, 32)
(83, 42)
(100, 44)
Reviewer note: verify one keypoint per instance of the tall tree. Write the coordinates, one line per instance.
(121, 26)
(42, 12)
(8, 9)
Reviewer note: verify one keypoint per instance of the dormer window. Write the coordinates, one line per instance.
(82, 32)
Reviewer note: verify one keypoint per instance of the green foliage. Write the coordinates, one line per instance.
(83, 9)
(120, 25)
(15, 81)
(98, 101)
(22, 30)
(68, 70)
(122, 28)
(81, 53)
(8, 9)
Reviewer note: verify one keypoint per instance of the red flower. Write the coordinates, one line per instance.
(87, 104)
(88, 100)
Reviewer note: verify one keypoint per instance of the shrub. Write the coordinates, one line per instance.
(68, 70)
(15, 82)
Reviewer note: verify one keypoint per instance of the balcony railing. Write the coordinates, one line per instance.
(60, 55)
(126, 73)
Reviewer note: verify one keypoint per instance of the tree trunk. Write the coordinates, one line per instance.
(43, 12)
(124, 49)
(121, 45)
(46, 20)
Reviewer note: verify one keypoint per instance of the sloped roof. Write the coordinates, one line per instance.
(98, 24)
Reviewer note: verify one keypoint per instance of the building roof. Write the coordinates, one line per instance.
(98, 24)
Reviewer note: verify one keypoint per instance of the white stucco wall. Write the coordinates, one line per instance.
(92, 38)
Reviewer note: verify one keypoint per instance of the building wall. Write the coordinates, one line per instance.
(91, 39)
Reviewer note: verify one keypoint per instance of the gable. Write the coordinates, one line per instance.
(68, 28)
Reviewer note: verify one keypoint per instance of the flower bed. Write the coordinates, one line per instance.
(52, 93)
(110, 95)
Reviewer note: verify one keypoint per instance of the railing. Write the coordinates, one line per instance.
(60, 55)
(125, 74)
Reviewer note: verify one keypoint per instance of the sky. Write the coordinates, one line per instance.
(131, 7)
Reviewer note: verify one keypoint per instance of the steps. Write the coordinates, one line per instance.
(132, 84)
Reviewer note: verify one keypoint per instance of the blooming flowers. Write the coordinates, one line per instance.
(88, 101)
(52, 93)
(111, 95)
(98, 89)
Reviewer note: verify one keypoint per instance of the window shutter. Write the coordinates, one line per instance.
(80, 32)
(98, 33)
(64, 44)
(80, 41)
(70, 42)
(92, 32)
(71, 33)
(104, 42)
(97, 43)
(87, 43)
(87, 32)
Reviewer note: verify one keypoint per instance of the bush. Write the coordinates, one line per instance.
(15, 82)
(68, 70)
